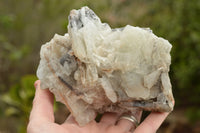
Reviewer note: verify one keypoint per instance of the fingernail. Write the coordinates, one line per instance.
(36, 84)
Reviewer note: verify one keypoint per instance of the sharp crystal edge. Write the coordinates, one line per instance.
(95, 69)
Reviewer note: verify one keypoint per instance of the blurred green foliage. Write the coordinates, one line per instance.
(26, 24)
(19, 100)
(179, 22)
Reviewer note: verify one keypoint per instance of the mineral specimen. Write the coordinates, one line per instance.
(95, 69)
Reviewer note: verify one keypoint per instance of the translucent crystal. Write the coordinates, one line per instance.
(94, 68)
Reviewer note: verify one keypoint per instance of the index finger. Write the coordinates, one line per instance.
(151, 123)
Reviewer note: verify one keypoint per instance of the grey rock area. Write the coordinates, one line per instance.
(94, 69)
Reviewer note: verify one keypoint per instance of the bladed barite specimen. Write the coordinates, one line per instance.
(95, 69)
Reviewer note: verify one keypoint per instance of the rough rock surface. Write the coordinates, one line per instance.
(94, 68)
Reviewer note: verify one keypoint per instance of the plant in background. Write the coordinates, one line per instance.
(179, 21)
(19, 102)
(26, 24)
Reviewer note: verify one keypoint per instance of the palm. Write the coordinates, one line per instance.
(42, 119)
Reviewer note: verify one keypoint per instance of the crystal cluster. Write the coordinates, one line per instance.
(95, 69)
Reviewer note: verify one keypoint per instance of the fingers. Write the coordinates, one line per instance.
(71, 124)
(109, 118)
(42, 109)
(70, 119)
(151, 123)
(127, 125)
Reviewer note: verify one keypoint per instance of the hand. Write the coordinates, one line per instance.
(42, 119)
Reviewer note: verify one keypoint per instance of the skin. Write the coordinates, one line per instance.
(42, 119)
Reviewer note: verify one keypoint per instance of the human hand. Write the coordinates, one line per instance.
(42, 119)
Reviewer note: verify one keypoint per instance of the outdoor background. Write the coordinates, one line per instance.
(27, 24)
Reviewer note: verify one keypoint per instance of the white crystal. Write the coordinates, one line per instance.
(95, 68)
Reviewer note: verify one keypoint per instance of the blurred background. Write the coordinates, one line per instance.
(27, 24)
